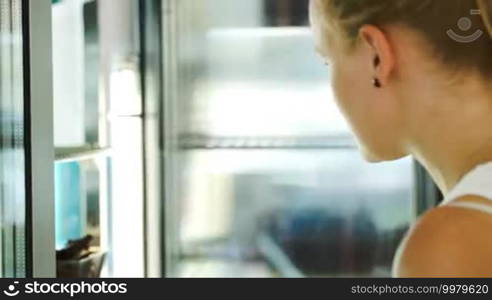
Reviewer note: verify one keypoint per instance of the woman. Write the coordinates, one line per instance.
(413, 77)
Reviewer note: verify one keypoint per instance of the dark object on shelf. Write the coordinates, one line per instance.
(76, 249)
(79, 260)
(88, 267)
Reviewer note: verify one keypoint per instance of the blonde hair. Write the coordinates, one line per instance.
(433, 18)
(485, 7)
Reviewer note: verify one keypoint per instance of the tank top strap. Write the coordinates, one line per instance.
(477, 182)
(472, 205)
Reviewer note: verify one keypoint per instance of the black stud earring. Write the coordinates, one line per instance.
(377, 61)
(376, 82)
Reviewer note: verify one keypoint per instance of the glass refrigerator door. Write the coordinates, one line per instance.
(26, 231)
(12, 150)
(98, 139)
(262, 175)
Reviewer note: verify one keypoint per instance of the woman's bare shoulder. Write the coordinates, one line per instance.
(447, 241)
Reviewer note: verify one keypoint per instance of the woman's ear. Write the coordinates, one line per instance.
(380, 50)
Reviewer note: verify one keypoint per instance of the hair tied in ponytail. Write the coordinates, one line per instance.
(485, 7)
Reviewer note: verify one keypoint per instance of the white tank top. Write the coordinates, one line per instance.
(477, 182)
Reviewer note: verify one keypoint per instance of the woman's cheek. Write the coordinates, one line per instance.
(342, 94)
(350, 103)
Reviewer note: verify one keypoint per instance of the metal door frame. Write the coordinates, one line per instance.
(38, 89)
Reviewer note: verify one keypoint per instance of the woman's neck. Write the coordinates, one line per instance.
(447, 169)
(455, 137)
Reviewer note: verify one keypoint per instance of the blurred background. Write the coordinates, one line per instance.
(197, 138)
(267, 177)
